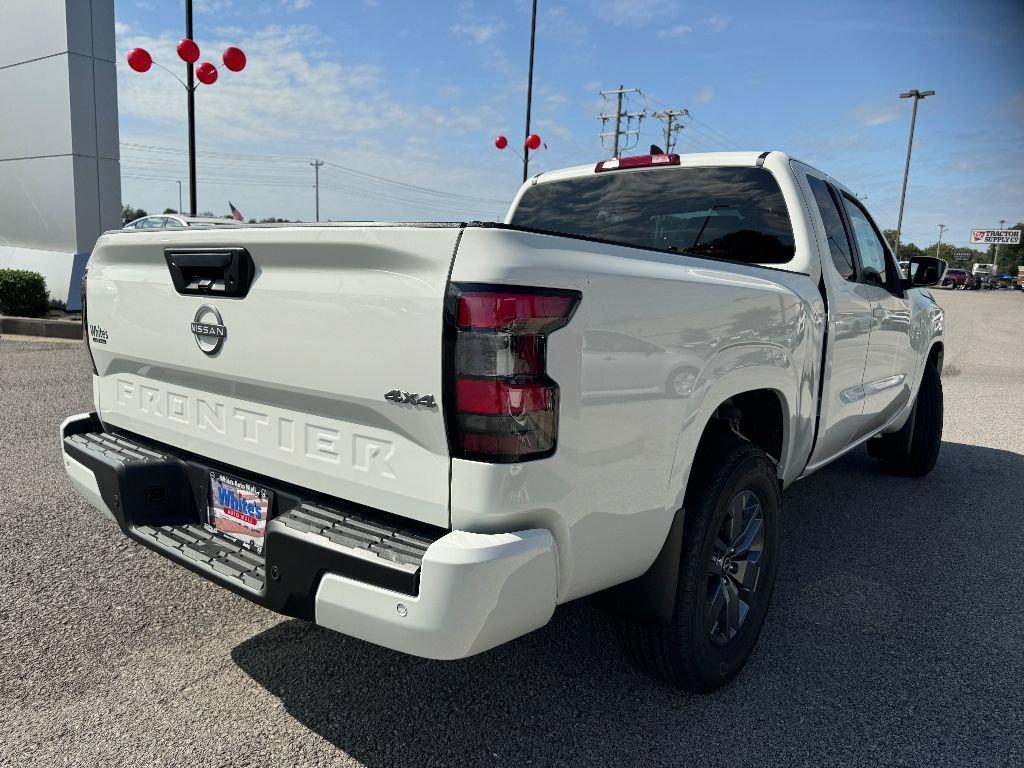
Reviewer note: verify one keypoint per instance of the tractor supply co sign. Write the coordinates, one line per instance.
(995, 236)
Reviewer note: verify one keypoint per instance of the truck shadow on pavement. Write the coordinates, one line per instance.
(895, 624)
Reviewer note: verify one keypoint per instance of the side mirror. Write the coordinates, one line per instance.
(924, 271)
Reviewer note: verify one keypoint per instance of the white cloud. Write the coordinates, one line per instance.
(297, 5)
(634, 13)
(211, 7)
(718, 22)
(477, 33)
(677, 31)
(704, 95)
(876, 114)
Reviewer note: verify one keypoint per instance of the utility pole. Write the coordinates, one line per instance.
(190, 89)
(179, 197)
(672, 126)
(942, 228)
(916, 96)
(626, 132)
(529, 88)
(316, 181)
(995, 268)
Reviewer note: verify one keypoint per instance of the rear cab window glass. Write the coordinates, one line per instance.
(736, 214)
(838, 242)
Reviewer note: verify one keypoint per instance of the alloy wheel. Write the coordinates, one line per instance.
(735, 567)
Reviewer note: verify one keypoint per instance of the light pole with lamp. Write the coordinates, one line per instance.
(916, 96)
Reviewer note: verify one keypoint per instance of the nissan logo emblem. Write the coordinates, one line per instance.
(209, 329)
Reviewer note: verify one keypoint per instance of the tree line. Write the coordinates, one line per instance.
(1010, 256)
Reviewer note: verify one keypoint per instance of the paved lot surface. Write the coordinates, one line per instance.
(896, 636)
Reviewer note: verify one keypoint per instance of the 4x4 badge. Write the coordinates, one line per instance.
(396, 396)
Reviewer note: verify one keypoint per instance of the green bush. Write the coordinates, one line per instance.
(22, 293)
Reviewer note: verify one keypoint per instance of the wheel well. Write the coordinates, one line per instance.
(936, 355)
(755, 416)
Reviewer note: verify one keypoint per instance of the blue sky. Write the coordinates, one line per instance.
(416, 92)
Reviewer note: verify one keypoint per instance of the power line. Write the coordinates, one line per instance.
(336, 166)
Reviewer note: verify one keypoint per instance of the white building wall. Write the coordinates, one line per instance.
(60, 179)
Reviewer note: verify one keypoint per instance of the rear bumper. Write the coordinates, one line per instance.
(424, 591)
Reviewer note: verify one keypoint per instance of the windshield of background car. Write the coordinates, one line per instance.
(736, 214)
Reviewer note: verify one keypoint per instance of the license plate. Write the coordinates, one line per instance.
(239, 510)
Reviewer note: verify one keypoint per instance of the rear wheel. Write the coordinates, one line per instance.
(914, 449)
(726, 574)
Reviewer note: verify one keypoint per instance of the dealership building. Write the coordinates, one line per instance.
(60, 184)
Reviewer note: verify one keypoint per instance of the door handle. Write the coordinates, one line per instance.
(879, 314)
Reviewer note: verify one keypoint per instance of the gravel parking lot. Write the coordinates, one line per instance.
(895, 637)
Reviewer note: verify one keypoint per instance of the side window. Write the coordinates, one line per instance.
(152, 222)
(872, 251)
(838, 242)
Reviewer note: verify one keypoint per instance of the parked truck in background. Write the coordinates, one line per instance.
(428, 436)
(981, 274)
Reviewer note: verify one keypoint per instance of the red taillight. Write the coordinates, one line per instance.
(501, 404)
(513, 311)
(498, 397)
(637, 161)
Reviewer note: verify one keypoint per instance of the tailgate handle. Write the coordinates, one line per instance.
(224, 272)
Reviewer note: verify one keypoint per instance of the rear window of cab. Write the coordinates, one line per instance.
(736, 214)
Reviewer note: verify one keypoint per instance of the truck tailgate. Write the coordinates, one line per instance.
(335, 318)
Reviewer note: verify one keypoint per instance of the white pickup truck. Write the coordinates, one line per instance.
(428, 436)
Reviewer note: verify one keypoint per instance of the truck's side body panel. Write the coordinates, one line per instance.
(336, 317)
(611, 490)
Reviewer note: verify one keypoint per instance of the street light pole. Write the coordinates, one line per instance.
(190, 89)
(529, 87)
(179, 197)
(916, 96)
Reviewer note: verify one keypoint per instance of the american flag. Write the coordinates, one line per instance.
(235, 213)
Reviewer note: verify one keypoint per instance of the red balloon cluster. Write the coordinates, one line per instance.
(234, 59)
(533, 141)
(139, 59)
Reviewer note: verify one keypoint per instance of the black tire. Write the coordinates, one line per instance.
(691, 652)
(913, 451)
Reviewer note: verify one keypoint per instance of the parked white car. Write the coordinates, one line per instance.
(389, 429)
(177, 221)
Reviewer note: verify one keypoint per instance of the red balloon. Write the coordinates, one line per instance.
(188, 51)
(533, 141)
(206, 73)
(234, 59)
(501, 142)
(139, 59)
